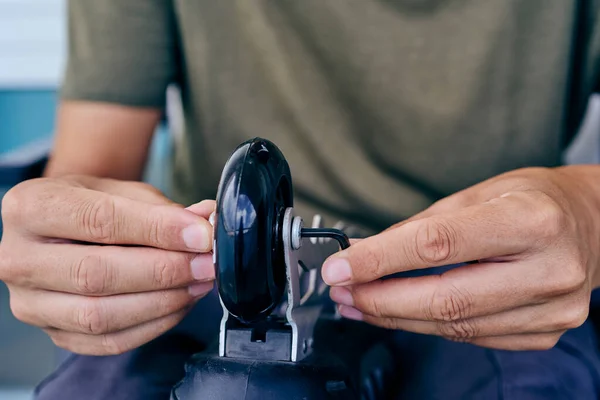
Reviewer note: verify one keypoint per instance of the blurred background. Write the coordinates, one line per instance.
(32, 50)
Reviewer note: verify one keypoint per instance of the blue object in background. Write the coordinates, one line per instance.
(25, 116)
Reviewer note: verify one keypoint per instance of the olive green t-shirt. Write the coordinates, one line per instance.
(380, 106)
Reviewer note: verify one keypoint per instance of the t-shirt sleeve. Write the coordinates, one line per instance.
(120, 51)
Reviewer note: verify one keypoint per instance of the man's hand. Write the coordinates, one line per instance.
(103, 266)
(534, 233)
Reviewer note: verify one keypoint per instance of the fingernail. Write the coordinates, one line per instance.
(195, 237)
(350, 313)
(211, 219)
(337, 271)
(203, 268)
(341, 295)
(200, 289)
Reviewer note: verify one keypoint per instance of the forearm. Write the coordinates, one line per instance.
(102, 140)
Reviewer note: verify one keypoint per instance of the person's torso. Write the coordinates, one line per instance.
(380, 106)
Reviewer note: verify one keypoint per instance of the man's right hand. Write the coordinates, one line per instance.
(103, 266)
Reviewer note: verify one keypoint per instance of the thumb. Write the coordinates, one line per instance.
(448, 204)
(132, 190)
(203, 209)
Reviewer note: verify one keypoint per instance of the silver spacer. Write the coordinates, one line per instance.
(297, 226)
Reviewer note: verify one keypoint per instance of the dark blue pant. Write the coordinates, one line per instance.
(432, 368)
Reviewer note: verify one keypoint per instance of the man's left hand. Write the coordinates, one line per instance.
(529, 240)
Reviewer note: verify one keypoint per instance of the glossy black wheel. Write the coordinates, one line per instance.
(254, 191)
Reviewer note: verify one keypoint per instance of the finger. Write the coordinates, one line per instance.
(203, 209)
(96, 217)
(101, 315)
(118, 342)
(531, 342)
(464, 292)
(546, 318)
(503, 226)
(106, 270)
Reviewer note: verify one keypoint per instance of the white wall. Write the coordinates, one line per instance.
(32, 43)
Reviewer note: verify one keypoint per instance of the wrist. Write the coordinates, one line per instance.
(580, 185)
